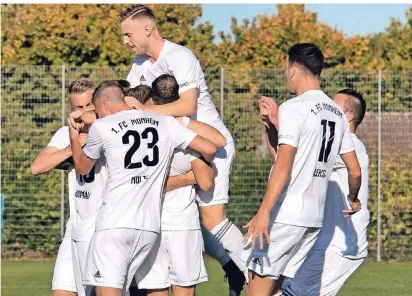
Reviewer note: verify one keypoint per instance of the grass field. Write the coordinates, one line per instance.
(373, 279)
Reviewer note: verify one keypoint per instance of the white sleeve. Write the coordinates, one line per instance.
(186, 69)
(290, 125)
(60, 139)
(132, 76)
(94, 145)
(347, 142)
(181, 135)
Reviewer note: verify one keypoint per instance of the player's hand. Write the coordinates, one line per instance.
(133, 103)
(190, 177)
(71, 121)
(270, 110)
(355, 207)
(258, 227)
(82, 139)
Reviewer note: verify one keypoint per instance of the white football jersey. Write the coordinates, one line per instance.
(138, 147)
(88, 192)
(346, 236)
(61, 140)
(313, 124)
(179, 210)
(180, 62)
(85, 192)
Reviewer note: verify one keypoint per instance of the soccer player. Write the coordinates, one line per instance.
(156, 56)
(312, 132)
(123, 84)
(342, 244)
(179, 262)
(138, 147)
(57, 154)
(166, 86)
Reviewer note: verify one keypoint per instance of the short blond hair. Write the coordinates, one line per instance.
(135, 11)
(81, 85)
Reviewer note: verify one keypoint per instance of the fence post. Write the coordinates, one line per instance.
(222, 90)
(62, 171)
(378, 253)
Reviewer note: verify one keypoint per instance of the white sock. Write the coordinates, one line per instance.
(232, 240)
(213, 247)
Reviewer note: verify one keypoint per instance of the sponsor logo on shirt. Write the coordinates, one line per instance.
(142, 78)
(82, 194)
(256, 261)
(184, 84)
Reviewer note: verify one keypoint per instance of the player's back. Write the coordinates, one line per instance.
(313, 124)
(138, 147)
(179, 210)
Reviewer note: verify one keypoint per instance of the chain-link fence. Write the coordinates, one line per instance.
(34, 106)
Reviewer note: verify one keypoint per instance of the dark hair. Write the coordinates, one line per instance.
(135, 11)
(165, 89)
(141, 92)
(124, 84)
(307, 55)
(355, 104)
(105, 85)
(81, 85)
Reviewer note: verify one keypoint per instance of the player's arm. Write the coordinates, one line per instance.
(348, 154)
(184, 106)
(184, 137)
(50, 158)
(354, 177)
(205, 130)
(269, 116)
(272, 141)
(203, 173)
(279, 176)
(204, 147)
(290, 127)
(175, 182)
(82, 163)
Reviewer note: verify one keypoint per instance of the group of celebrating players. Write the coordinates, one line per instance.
(149, 162)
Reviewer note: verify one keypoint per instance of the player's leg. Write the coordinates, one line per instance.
(155, 279)
(212, 206)
(183, 291)
(158, 292)
(259, 285)
(114, 257)
(268, 264)
(214, 249)
(188, 270)
(64, 283)
(322, 273)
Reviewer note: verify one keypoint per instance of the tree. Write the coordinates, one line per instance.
(89, 34)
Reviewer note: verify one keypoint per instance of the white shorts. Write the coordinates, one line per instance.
(222, 165)
(323, 273)
(63, 274)
(179, 261)
(116, 255)
(288, 248)
(79, 251)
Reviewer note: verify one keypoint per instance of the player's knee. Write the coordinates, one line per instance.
(183, 291)
(63, 293)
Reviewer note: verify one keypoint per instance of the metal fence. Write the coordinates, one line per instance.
(34, 105)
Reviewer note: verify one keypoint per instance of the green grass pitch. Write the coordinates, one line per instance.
(372, 279)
